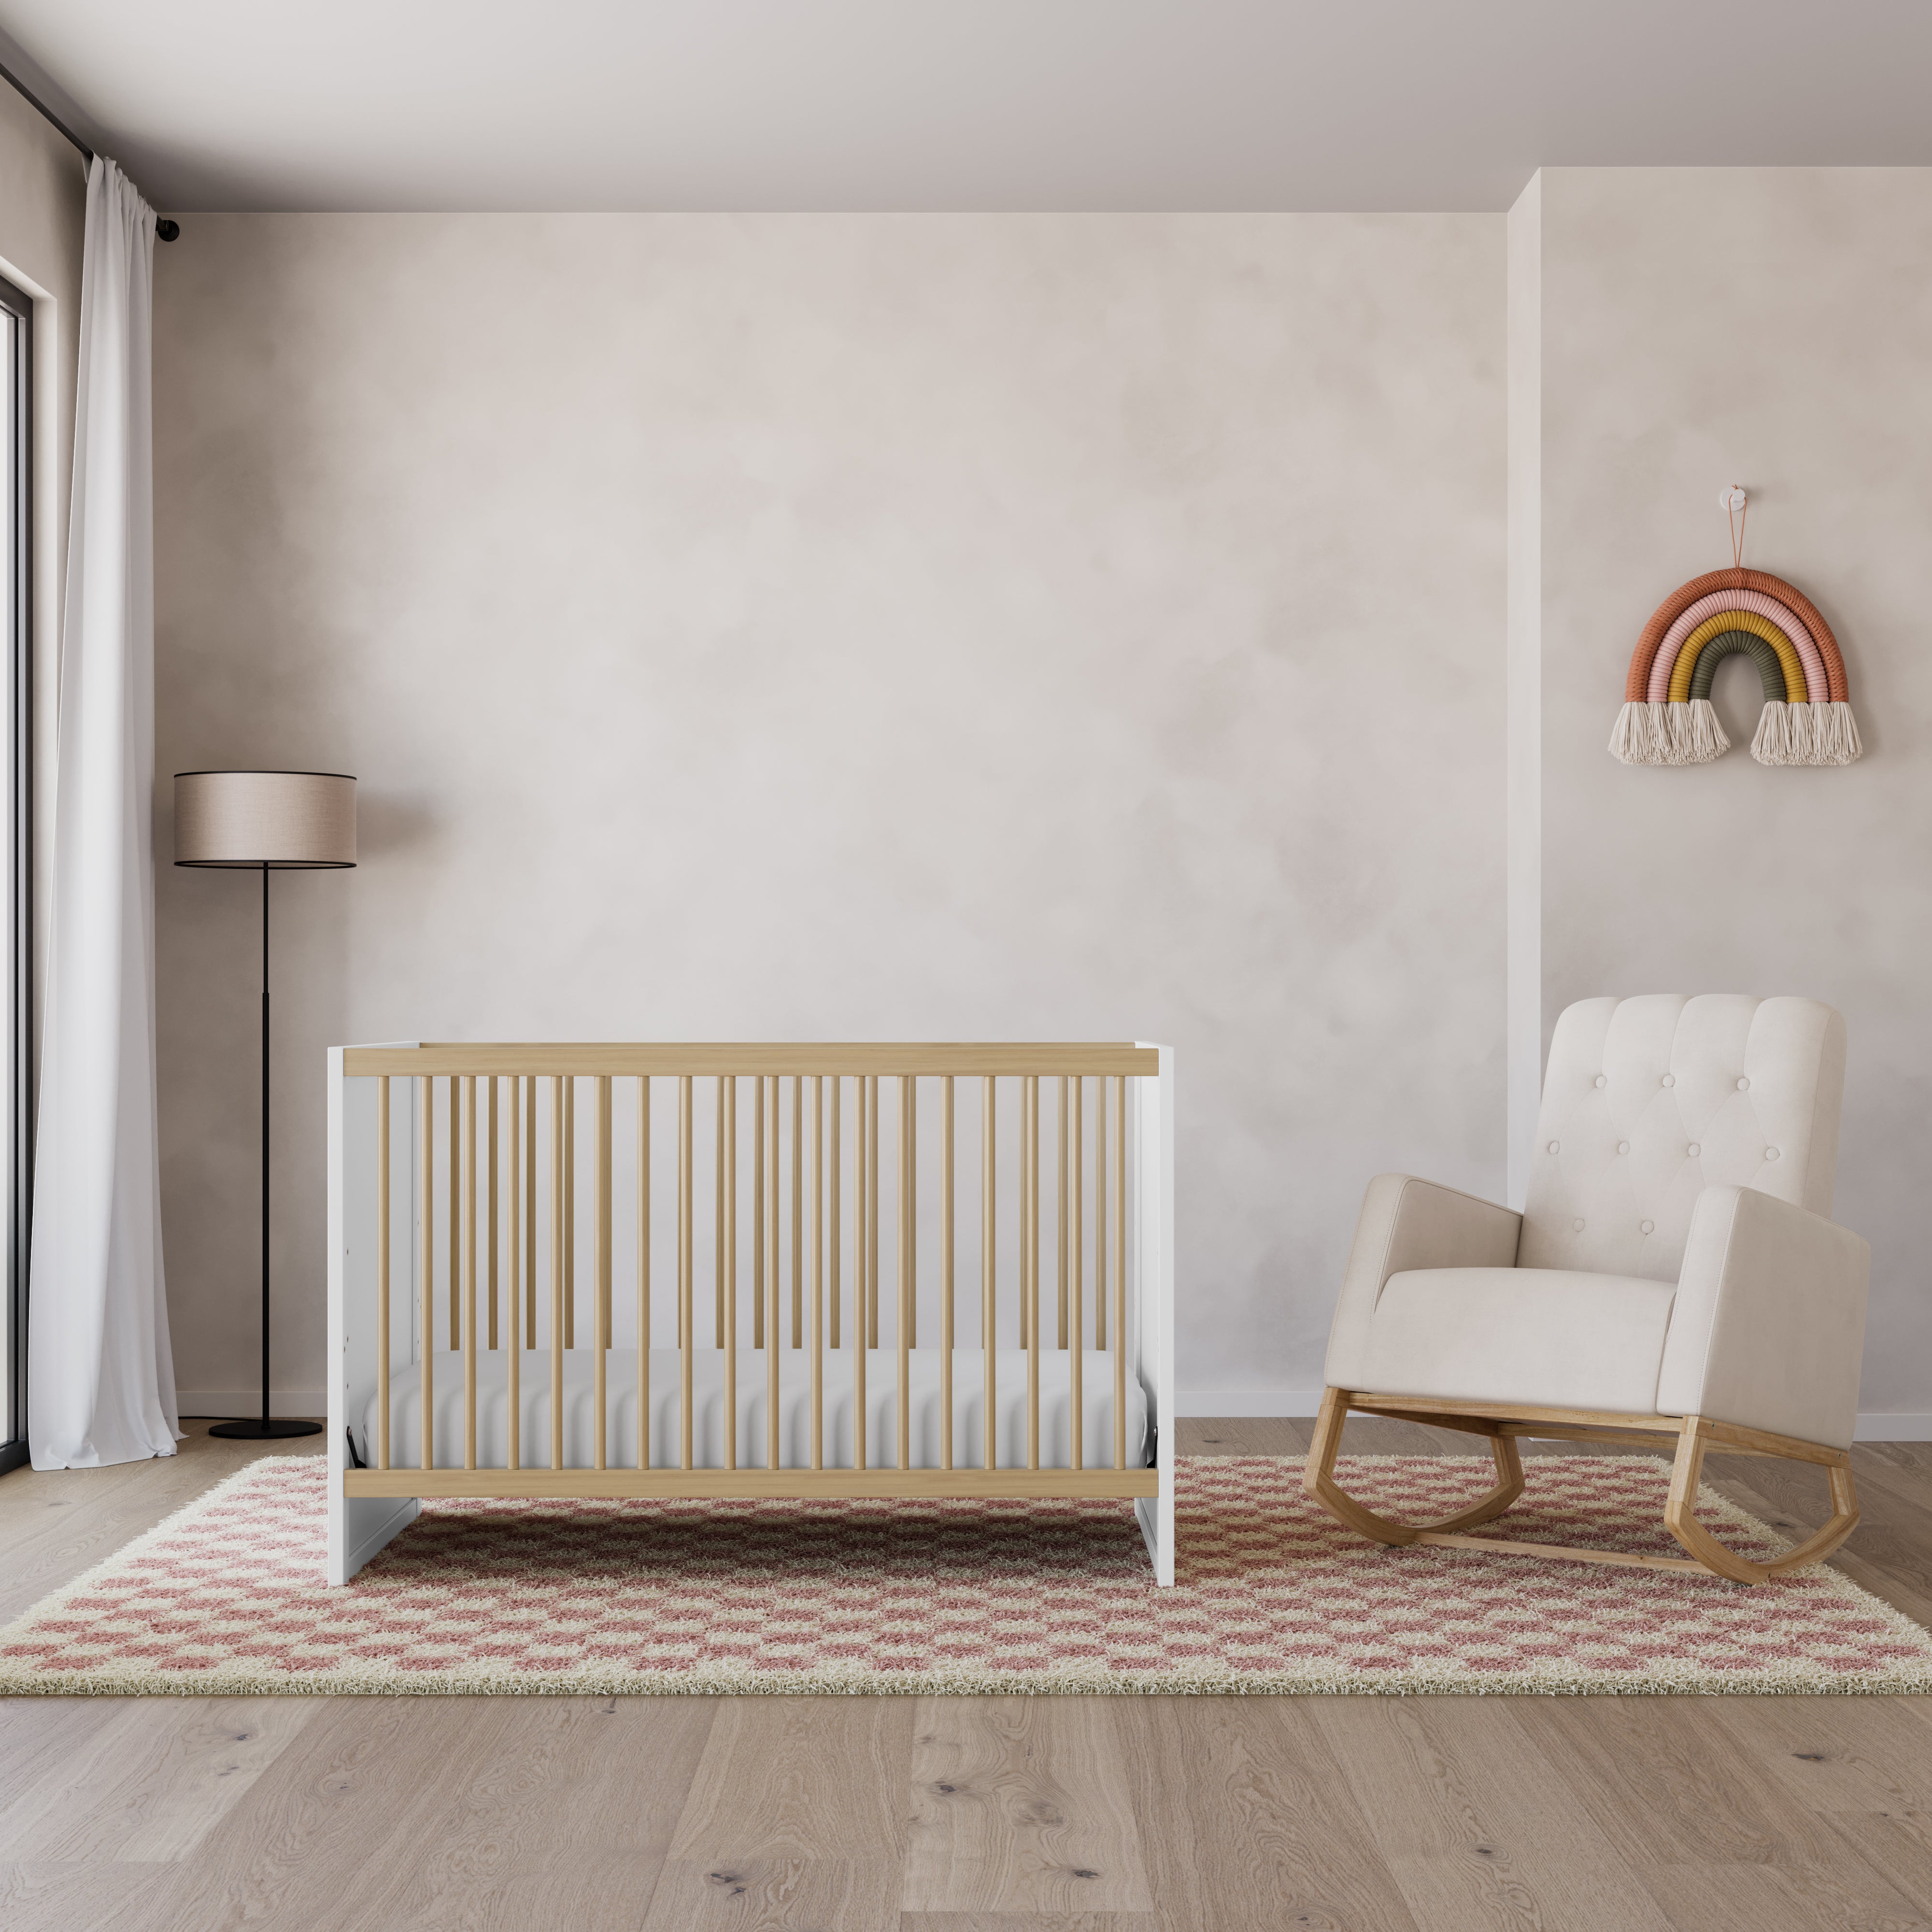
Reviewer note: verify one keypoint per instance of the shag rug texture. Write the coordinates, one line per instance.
(704, 1596)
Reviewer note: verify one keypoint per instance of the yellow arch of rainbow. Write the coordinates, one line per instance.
(1685, 668)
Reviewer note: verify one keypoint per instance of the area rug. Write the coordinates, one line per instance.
(604, 1598)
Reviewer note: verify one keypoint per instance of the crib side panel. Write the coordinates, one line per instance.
(359, 1525)
(1154, 1248)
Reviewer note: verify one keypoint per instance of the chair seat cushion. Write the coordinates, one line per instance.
(1557, 1337)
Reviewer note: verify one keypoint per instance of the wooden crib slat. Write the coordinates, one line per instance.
(490, 1086)
(382, 1272)
(559, 1238)
(455, 1213)
(426, 1288)
(718, 1214)
(818, 1271)
(989, 1324)
(568, 1208)
(859, 1460)
(798, 1210)
(773, 1342)
(1076, 1361)
(946, 1277)
(529, 1086)
(643, 1271)
(872, 1210)
(513, 1365)
(469, 1084)
(832, 1194)
(907, 1104)
(910, 1120)
(684, 1328)
(1060, 1217)
(1120, 1272)
(728, 1192)
(758, 1211)
(1030, 1268)
(1100, 1217)
(601, 1317)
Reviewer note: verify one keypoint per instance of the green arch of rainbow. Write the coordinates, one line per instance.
(1636, 685)
(1773, 674)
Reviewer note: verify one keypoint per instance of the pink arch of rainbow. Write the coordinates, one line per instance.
(1817, 687)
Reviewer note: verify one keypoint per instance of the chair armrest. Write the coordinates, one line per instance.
(1408, 1223)
(1768, 1329)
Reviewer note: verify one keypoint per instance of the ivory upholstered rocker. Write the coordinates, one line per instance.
(1675, 1277)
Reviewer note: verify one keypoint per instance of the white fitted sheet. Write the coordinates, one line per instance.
(708, 1410)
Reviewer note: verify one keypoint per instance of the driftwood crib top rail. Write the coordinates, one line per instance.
(435, 1057)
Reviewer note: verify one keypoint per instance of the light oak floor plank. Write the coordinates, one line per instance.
(150, 1785)
(1247, 1820)
(777, 1895)
(476, 1813)
(1475, 1826)
(1022, 1805)
(97, 1896)
(799, 1778)
(1667, 1783)
(1770, 1898)
(1045, 1921)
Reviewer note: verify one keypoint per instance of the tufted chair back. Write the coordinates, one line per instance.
(1647, 1102)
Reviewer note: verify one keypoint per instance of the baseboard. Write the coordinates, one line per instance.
(1881, 1426)
(1297, 1402)
(1891, 1425)
(241, 1403)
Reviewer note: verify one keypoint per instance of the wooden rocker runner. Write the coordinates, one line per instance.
(1674, 1281)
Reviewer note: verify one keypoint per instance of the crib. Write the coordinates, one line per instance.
(657, 1271)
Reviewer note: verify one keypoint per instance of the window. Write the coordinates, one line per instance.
(16, 327)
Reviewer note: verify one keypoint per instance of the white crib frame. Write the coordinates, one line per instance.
(367, 1507)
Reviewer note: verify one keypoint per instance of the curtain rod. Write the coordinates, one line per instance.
(164, 230)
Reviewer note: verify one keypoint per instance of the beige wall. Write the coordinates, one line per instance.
(1770, 327)
(870, 627)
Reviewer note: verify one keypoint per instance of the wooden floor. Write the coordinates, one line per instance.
(995, 1814)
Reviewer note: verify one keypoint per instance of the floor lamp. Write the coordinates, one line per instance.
(266, 822)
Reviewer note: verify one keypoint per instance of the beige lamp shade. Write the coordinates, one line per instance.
(287, 821)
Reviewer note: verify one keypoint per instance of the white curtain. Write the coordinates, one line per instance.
(100, 1382)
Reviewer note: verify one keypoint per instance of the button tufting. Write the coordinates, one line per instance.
(1770, 1154)
(1742, 1084)
(1578, 1225)
(1670, 1080)
(1646, 1227)
(1623, 1146)
(1554, 1145)
(1693, 1149)
(1600, 1080)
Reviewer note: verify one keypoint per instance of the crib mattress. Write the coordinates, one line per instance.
(709, 1408)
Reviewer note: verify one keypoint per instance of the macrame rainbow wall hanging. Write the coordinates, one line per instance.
(1667, 718)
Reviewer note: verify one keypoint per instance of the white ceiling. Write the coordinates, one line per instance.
(996, 104)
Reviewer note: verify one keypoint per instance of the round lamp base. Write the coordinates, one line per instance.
(272, 1430)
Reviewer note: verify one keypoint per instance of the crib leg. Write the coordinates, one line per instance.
(359, 1526)
(1156, 1515)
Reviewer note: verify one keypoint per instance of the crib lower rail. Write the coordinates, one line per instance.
(619, 1484)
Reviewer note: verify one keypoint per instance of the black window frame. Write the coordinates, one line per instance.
(18, 1181)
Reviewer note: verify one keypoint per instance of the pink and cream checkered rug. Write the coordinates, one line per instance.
(227, 1596)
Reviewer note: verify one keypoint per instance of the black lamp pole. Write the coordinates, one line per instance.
(267, 1428)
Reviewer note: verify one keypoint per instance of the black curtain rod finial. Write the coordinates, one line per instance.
(165, 230)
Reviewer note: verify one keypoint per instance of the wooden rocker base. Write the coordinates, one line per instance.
(1689, 1436)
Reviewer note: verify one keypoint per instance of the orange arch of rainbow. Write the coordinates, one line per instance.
(1665, 660)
